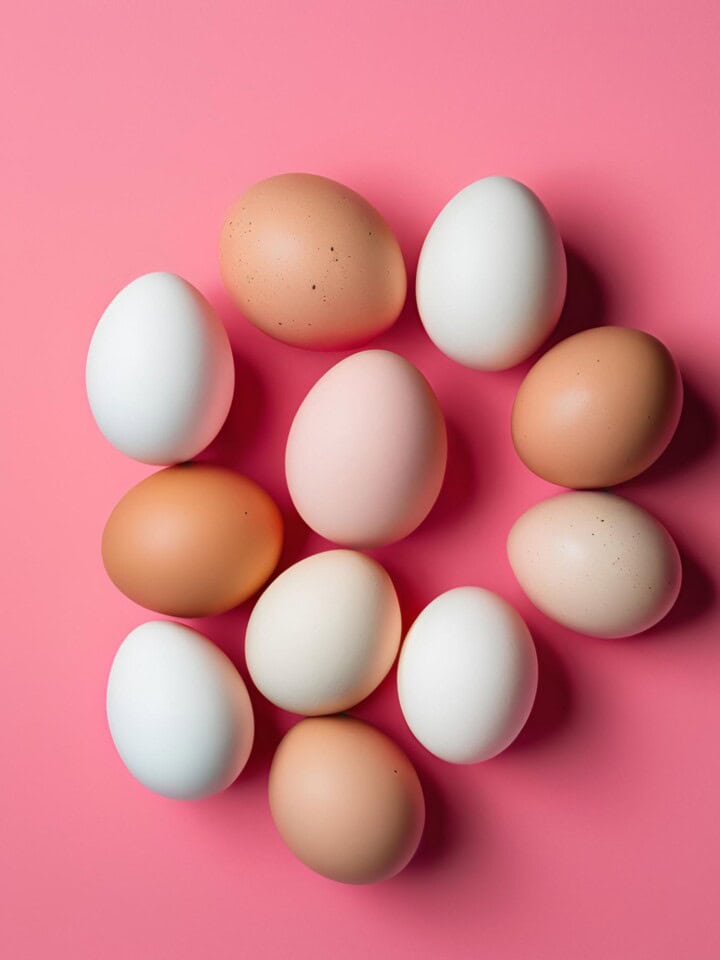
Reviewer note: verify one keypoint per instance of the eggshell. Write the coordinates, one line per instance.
(366, 452)
(159, 373)
(596, 563)
(178, 710)
(314, 655)
(346, 800)
(311, 263)
(467, 675)
(192, 540)
(491, 277)
(598, 408)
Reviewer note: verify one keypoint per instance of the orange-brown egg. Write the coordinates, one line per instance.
(598, 408)
(346, 799)
(311, 262)
(192, 540)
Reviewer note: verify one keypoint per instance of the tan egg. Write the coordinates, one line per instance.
(346, 800)
(598, 408)
(192, 540)
(312, 263)
(595, 563)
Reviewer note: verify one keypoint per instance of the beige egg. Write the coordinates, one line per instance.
(346, 800)
(311, 263)
(595, 563)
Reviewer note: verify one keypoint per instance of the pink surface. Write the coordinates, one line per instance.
(127, 130)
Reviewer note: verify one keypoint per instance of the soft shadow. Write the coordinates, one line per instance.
(296, 533)
(460, 485)
(405, 328)
(381, 702)
(586, 301)
(441, 834)
(696, 436)
(698, 596)
(409, 597)
(268, 735)
(244, 419)
(553, 702)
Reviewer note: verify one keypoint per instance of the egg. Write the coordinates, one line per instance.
(178, 711)
(312, 656)
(192, 540)
(311, 263)
(598, 408)
(491, 278)
(366, 452)
(346, 800)
(467, 675)
(159, 372)
(595, 563)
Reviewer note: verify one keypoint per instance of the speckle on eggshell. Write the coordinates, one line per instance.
(298, 219)
(616, 587)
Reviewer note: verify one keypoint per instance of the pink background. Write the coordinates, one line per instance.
(127, 128)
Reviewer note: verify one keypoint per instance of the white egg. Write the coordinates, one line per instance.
(491, 276)
(178, 711)
(160, 373)
(324, 634)
(467, 675)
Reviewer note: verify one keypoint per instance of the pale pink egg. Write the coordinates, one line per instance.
(367, 449)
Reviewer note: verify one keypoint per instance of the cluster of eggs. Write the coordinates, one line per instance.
(314, 265)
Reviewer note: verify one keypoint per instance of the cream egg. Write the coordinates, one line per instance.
(324, 634)
(595, 563)
(366, 452)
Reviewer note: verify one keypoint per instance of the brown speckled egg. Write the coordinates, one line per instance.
(312, 263)
(598, 408)
(596, 563)
(346, 800)
(192, 540)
